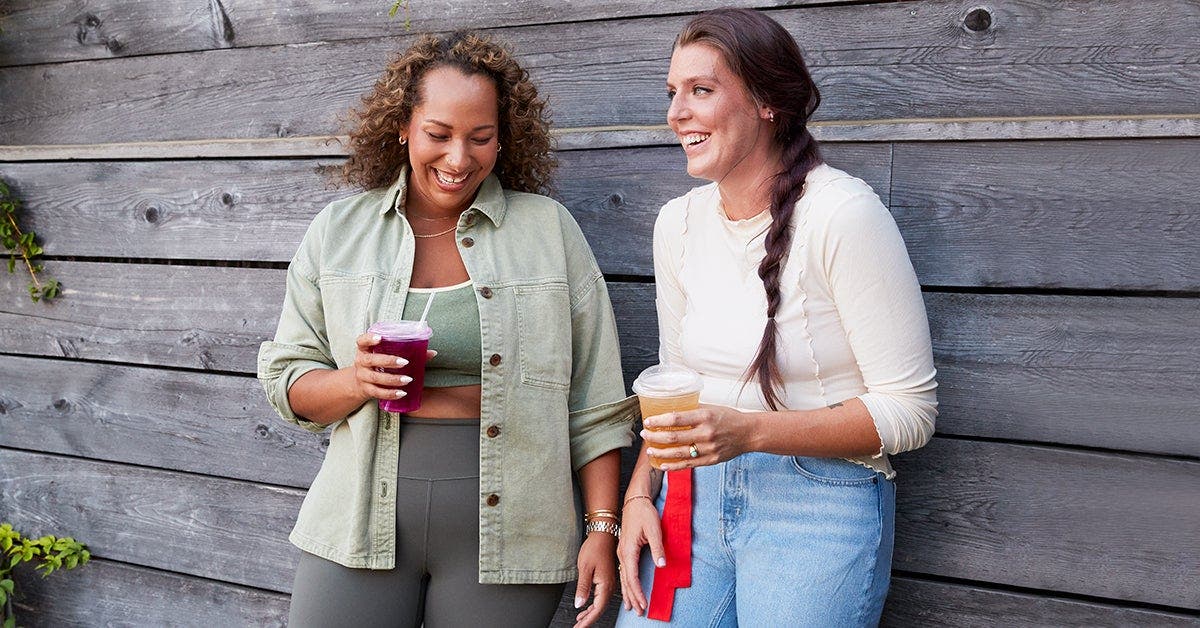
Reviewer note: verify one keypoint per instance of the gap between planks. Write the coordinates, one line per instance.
(579, 138)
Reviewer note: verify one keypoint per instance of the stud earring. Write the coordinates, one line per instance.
(771, 116)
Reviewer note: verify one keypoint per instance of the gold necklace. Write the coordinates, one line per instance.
(434, 235)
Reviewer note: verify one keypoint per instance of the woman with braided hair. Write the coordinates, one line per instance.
(461, 512)
(786, 285)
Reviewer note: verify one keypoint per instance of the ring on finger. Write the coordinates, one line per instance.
(692, 451)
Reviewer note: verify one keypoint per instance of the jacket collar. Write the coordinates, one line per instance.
(489, 200)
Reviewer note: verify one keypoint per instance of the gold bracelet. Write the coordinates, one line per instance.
(629, 499)
(602, 513)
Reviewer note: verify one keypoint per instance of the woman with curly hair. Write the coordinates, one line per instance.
(463, 511)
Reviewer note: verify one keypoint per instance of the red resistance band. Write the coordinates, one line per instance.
(677, 545)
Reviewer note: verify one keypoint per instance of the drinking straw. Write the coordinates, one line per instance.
(427, 304)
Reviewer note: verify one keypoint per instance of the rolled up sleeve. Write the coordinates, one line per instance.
(601, 415)
(879, 301)
(301, 343)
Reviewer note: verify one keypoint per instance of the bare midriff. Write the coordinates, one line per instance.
(450, 402)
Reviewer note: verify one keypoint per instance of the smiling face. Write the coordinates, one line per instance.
(452, 141)
(725, 134)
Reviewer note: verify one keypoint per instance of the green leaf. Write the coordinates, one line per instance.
(11, 622)
(9, 242)
(72, 561)
(3, 598)
(35, 250)
(51, 289)
(84, 556)
(27, 239)
(7, 586)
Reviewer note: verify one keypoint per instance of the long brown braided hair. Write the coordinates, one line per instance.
(766, 58)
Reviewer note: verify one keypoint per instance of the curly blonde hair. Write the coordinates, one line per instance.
(376, 155)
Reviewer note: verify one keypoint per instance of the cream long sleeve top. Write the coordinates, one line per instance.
(851, 320)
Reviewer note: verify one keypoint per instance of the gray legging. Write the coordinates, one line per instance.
(436, 578)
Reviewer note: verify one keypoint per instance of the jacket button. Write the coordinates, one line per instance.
(495, 359)
(493, 431)
(493, 499)
(468, 242)
(486, 292)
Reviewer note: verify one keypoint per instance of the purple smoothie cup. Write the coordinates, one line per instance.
(408, 340)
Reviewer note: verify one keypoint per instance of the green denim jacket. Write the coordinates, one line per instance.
(551, 380)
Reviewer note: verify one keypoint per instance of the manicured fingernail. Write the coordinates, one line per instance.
(662, 562)
(404, 379)
(642, 433)
(578, 602)
(376, 337)
(432, 353)
(401, 362)
(400, 393)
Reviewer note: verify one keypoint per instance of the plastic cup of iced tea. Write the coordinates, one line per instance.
(665, 388)
(408, 340)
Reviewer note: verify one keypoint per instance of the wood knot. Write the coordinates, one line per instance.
(262, 431)
(62, 405)
(615, 199)
(114, 45)
(152, 214)
(978, 19)
(91, 21)
(227, 198)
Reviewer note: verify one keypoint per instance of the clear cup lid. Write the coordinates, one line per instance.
(665, 380)
(401, 329)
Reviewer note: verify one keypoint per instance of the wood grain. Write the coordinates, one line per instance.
(226, 530)
(898, 60)
(107, 593)
(1104, 214)
(258, 210)
(1108, 372)
(917, 602)
(1009, 514)
(219, 425)
(38, 33)
(1113, 526)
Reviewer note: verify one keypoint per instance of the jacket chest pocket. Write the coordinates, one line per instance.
(344, 302)
(544, 335)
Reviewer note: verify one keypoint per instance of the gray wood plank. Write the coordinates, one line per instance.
(185, 316)
(917, 602)
(1103, 525)
(107, 593)
(892, 60)
(1115, 526)
(226, 530)
(1098, 214)
(1115, 373)
(1108, 372)
(37, 32)
(218, 425)
(258, 209)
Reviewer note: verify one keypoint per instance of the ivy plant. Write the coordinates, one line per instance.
(399, 4)
(50, 554)
(23, 246)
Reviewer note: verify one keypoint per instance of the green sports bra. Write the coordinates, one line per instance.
(454, 318)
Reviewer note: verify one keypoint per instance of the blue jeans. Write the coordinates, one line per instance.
(783, 541)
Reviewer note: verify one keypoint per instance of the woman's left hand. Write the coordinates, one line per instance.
(717, 433)
(598, 568)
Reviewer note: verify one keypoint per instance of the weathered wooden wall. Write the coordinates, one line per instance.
(1040, 158)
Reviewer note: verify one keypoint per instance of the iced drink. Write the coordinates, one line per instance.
(662, 389)
(408, 340)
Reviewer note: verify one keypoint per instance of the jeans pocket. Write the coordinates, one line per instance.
(835, 471)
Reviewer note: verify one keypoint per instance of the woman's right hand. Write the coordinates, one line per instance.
(369, 381)
(640, 526)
